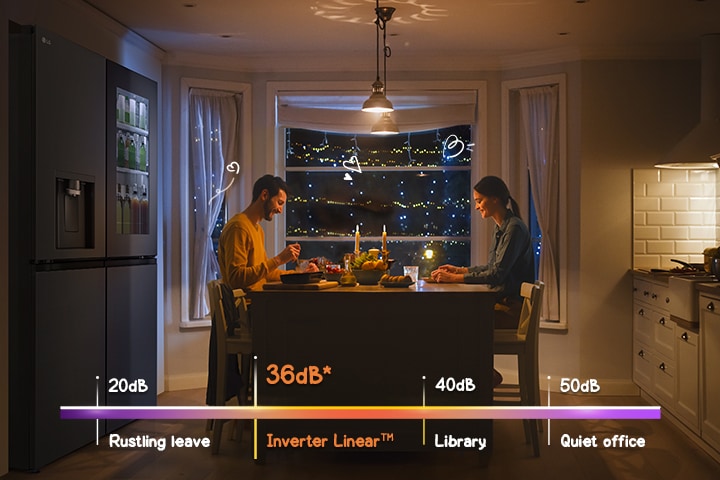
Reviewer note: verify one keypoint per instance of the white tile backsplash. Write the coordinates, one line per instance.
(660, 218)
(675, 216)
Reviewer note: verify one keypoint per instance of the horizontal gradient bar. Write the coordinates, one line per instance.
(361, 413)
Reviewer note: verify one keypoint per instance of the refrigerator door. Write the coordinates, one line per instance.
(64, 365)
(131, 336)
(131, 158)
(69, 141)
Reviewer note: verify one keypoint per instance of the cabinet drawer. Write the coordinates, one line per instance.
(643, 366)
(686, 336)
(664, 336)
(664, 376)
(651, 293)
(643, 329)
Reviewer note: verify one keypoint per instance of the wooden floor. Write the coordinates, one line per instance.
(668, 454)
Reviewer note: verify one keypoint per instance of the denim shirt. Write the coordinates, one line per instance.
(510, 262)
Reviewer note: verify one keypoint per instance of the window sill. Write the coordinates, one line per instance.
(193, 325)
(557, 326)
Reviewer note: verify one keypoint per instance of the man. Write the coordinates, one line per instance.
(241, 250)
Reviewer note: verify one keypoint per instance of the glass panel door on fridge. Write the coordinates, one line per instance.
(131, 164)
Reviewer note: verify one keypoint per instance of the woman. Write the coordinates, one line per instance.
(510, 262)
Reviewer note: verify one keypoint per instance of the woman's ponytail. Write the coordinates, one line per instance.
(515, 207)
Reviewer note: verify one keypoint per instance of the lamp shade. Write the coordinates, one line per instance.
(384, 126)
(377, 102)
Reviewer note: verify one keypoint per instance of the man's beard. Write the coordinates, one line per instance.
(267, 210)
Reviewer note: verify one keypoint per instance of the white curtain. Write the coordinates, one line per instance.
(539, 119)
(214, 127)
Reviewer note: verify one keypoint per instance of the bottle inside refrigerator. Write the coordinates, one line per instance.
(132, 171)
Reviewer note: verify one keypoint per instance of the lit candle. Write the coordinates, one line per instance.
(357, 238)
(384, 240)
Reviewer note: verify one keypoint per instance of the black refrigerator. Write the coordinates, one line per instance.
(83, 287)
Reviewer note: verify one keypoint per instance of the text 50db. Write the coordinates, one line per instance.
(574, 385)
(123, 385)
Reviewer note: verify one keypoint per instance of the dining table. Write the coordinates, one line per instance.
(428, 344)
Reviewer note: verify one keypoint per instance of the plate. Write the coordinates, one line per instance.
(302, 277)
(396, 284)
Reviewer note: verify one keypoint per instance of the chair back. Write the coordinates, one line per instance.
(530, 313)
(217, 315)
(228, 309)
(529, 324)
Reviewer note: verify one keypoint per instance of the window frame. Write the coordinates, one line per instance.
(234, 197)
(515, 181)
(275, 233)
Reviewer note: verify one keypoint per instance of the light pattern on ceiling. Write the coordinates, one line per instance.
(356, 11)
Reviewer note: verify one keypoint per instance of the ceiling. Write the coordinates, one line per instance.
(461, 32)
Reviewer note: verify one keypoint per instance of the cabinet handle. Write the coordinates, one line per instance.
(641, 353)
(662, 366)
(684, 336)
(646, 293)
(641, 312)
(662, 321)
(667, 299)
(634, 289)
(654, 296)
(711, 306)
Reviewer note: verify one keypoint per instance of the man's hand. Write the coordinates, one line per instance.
(289, 253)
(311, 267)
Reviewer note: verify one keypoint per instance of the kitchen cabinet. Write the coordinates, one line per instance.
(709, 308)
(687, 378)
(654, 365)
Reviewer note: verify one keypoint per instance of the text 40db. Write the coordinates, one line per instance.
(449, 384)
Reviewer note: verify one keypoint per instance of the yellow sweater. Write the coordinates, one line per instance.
(242, 257)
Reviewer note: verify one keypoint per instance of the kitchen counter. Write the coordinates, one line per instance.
(664, 277)
(713, 288)
(374, 346)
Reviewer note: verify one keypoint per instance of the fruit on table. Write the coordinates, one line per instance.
(334, 269)
(395, 278)
(366, 261)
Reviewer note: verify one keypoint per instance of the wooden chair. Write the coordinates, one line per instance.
(238, 343)
(523, 343)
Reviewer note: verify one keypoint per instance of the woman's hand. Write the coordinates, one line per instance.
(451, 269)
(444, 276)
(448, 274)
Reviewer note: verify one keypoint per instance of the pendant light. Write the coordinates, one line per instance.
(384, 126)
(378, 102)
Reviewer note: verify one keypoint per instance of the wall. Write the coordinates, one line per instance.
(631, 114)
(674, 216)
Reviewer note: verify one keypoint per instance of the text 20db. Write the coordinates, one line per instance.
(123, 385)
(574, 385)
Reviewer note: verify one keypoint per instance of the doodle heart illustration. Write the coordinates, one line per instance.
(353, 165)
